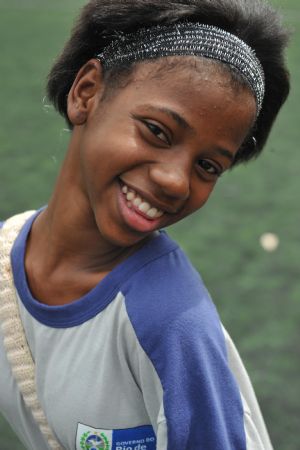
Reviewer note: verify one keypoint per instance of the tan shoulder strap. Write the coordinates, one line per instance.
(15, 342)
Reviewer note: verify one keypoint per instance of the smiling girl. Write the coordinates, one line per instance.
(109, 338)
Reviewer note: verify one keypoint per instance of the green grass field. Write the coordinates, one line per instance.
(257, 293)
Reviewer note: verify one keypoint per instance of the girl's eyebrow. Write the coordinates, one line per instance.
(182, 122)
(226, 153)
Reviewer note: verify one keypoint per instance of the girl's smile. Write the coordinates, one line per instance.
(140, 205)
(137, 212)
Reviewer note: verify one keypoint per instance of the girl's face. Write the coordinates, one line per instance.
(152, 152)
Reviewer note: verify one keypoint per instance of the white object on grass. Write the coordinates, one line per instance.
(269, 242)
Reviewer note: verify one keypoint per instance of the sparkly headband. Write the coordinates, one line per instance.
(188, 39)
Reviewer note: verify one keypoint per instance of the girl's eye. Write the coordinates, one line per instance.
(157, 131)
(209, 168)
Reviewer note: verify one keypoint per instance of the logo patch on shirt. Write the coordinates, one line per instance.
(139, 438)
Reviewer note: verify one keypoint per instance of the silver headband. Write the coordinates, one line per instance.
(188, 39)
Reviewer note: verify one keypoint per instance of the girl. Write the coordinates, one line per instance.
(109, 339)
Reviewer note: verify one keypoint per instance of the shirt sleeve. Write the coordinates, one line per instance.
(180, 333)
(200, 400)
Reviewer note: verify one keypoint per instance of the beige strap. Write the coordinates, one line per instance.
(15, 342)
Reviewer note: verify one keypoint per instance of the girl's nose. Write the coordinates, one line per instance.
(173, 180)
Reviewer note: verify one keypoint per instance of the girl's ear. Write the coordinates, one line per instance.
(85, 92)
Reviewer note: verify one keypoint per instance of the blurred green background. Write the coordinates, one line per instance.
(257, 292)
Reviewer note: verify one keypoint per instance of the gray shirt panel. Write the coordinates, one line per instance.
(95, 374)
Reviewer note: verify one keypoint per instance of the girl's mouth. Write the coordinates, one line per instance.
(138, 212)
(140, 205)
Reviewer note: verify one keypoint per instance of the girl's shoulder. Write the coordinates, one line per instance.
(167, 293)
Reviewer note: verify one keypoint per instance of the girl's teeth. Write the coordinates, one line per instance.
(137, 201)
(134, 200)
(152, 213)
(130, 196)
(144, 207)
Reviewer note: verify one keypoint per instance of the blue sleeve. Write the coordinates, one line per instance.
(179, 329)
(1, 225)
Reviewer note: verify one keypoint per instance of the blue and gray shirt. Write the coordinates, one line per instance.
(141, 362)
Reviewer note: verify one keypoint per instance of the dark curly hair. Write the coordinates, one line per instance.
(253, 21)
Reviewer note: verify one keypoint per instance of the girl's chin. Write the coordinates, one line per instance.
(125, 239)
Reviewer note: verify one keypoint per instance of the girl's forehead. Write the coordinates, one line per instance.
(180, 67)
(187, 78)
